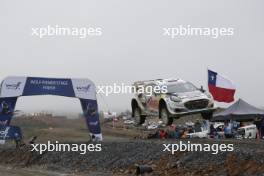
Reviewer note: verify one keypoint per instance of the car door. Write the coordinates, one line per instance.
(153, 99)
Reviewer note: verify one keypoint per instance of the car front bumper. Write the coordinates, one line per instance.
(190, 112)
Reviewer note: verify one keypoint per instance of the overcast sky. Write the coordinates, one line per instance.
(132, 46)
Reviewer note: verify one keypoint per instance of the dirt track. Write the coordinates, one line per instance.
(120, 158)
(121, 153)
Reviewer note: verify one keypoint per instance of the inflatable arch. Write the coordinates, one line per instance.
(13, 87)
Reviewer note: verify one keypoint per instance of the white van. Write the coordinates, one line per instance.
(248, 132)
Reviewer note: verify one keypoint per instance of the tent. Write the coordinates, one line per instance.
(239, 111)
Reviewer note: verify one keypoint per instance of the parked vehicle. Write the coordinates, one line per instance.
(249, 131)
(180, 98)
(205, 132)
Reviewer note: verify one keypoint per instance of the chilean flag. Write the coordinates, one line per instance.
(222, 89)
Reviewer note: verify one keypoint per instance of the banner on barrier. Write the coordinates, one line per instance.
(10, 132)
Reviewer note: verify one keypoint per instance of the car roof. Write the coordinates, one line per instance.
(160, 81)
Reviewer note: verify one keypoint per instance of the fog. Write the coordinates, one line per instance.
(132, 46)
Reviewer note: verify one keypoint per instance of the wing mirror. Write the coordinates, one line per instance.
(202, 89)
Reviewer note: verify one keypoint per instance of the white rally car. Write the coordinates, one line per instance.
(181, 98)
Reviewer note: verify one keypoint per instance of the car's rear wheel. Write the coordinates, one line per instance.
(139, 119)
(207, 115)
(165, 116)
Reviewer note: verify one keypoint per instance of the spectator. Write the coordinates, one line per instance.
(205, 125)
(197, 126)
(235, 125)
(262, 128)
(190, 130)
(171, 132)
(163, 134)
(212, 131)
(228, 130)
(177, 133)
(185, 134)
(257, 122)
(17, 140)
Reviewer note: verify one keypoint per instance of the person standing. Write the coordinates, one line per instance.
(228, 130)
(213, 131)
(257, 122)
(197, 126)
(262, 128)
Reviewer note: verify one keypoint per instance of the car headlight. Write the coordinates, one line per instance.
(175, 98)
(208, 95)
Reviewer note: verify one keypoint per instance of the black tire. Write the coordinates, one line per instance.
(207, 115)
(164, 115)
(136, 113)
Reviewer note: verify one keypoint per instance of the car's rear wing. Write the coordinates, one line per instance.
(147, 81)
(156, 81)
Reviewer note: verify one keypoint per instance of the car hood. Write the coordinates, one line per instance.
(190, 95)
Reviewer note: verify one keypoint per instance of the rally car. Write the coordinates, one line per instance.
(179, 99)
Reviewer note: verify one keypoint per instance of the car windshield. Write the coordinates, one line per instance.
(181, 88)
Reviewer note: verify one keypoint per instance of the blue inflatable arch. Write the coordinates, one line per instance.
(13, 87)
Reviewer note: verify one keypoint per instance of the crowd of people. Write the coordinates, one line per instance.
(228, 129)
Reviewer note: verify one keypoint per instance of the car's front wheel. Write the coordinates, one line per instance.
(164, 116)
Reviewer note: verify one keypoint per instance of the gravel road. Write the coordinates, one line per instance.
(121, 158)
